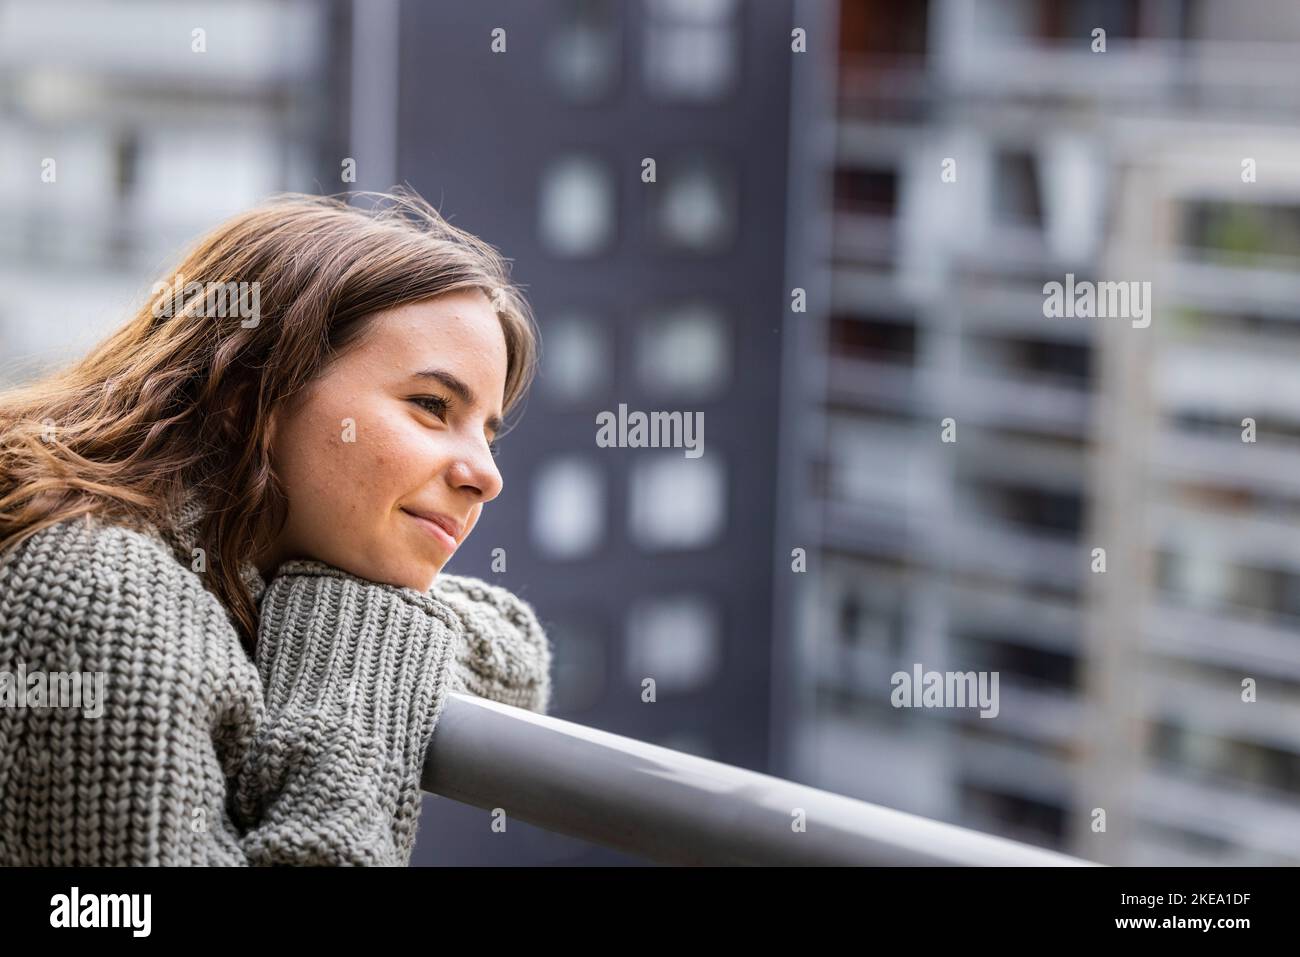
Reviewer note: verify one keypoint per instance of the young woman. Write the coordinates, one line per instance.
(224, 638)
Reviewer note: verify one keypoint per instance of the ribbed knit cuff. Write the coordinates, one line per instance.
(333, 641)
(355, 675)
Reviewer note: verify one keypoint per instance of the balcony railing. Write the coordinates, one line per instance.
(675, 808)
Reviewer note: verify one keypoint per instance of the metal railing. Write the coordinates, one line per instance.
(676, 808)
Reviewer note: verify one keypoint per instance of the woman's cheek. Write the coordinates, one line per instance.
(473, 521)
(394, 462)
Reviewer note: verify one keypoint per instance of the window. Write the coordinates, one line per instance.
(1016, 190)
(1233, 231)
(675, 640)
(576, 216)
(867, 615)
(568, 508)
(694, 202)
(1024, 814)
(676, 502)
(1067, 22)
(863, 337)
(867, 192)
(1221, 760)
(1007, 654)
(575, 357)
(692, 49)
(684, 351)
(1034, 508)
(583, 55)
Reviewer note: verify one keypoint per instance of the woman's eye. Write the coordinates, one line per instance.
(432, 403)
(437, 405)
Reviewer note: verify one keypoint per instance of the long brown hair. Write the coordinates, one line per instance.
(177, 401)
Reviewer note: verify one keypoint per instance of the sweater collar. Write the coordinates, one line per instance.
(183, 536)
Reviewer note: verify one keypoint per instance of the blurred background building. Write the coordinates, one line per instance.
(151, 142)
(1119, 690)
(778, 171)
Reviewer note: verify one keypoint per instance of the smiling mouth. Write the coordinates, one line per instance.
(434, 529)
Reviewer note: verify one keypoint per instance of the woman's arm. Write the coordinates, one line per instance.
(505, 655)
(355, 674)
(197, 756)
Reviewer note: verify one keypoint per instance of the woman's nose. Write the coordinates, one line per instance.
(477, 471)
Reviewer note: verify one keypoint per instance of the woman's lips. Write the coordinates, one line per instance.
(434, 529)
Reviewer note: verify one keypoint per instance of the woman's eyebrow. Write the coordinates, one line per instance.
(461, 390)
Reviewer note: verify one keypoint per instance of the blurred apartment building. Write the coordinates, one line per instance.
(1120, 690)
(124, 134)
(656, 289)
(641, 562)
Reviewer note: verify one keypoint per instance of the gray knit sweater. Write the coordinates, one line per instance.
(312, 754)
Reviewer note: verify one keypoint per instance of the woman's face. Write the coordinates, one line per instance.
(374, 443)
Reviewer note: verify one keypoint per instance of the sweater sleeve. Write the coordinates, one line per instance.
(504, 653)
(354, 674)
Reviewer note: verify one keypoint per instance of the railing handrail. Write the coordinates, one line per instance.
(676, 808)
